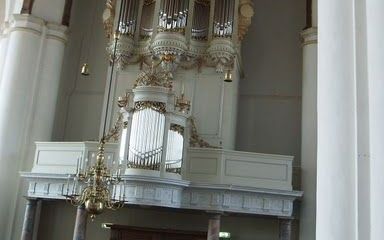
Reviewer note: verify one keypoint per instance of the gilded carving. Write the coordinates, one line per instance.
(177, 128)
(156, 106)
(154, 78)
(114, 133)
(108, 17)
(246, 13)
(195, 140)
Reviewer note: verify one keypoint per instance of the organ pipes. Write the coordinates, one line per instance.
(128, 18)
(223, 18)
(200, 20)
(173, 15)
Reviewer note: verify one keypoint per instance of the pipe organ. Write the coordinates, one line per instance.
(171, 55)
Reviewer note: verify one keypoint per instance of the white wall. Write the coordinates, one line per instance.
(54, 226)
(269, 118)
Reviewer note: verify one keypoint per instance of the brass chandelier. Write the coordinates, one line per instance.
(98, 188)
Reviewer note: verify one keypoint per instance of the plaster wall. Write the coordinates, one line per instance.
(269, 118)
(80, 100)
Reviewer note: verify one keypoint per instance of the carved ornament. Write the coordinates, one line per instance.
(246, 13)
(108, 17)
(195, 140)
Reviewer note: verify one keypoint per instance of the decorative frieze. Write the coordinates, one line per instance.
(181, 194)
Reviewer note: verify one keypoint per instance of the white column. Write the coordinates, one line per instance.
(28, 96)
(375, 70)
(309, 135)
(336, 159)
(48, 86)
(16, 94)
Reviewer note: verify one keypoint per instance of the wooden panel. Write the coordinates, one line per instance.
(119, 232)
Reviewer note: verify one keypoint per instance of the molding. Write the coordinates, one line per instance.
(309, 36)
(180, 194)
(27, 23)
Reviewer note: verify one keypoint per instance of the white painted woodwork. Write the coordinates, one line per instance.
(179, 194)
(216, 180)
(203, 165)
(257, 170)
(64, 157)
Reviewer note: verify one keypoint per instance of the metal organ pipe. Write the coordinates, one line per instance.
(173, 15)
(128, 20)
(200, 20)
(223, 18)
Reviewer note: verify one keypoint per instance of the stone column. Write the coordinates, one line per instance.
(214, 227)
(29, 220)
(285, 229)
(32, 50)
(309, 135)
(336, 215)
(80, 230)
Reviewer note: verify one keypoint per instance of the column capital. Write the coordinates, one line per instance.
(28, 23)
(309, 36)
(57, 32)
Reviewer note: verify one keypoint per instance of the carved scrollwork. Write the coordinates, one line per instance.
(108, 17)
(195, 140)
(221, 53)
(166, 43)
(156, 106)
(153, 80)
(246, 13)
(124, 50)
(177, 128)
(114, 133)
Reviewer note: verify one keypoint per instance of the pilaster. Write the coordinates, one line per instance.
(309, 134)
